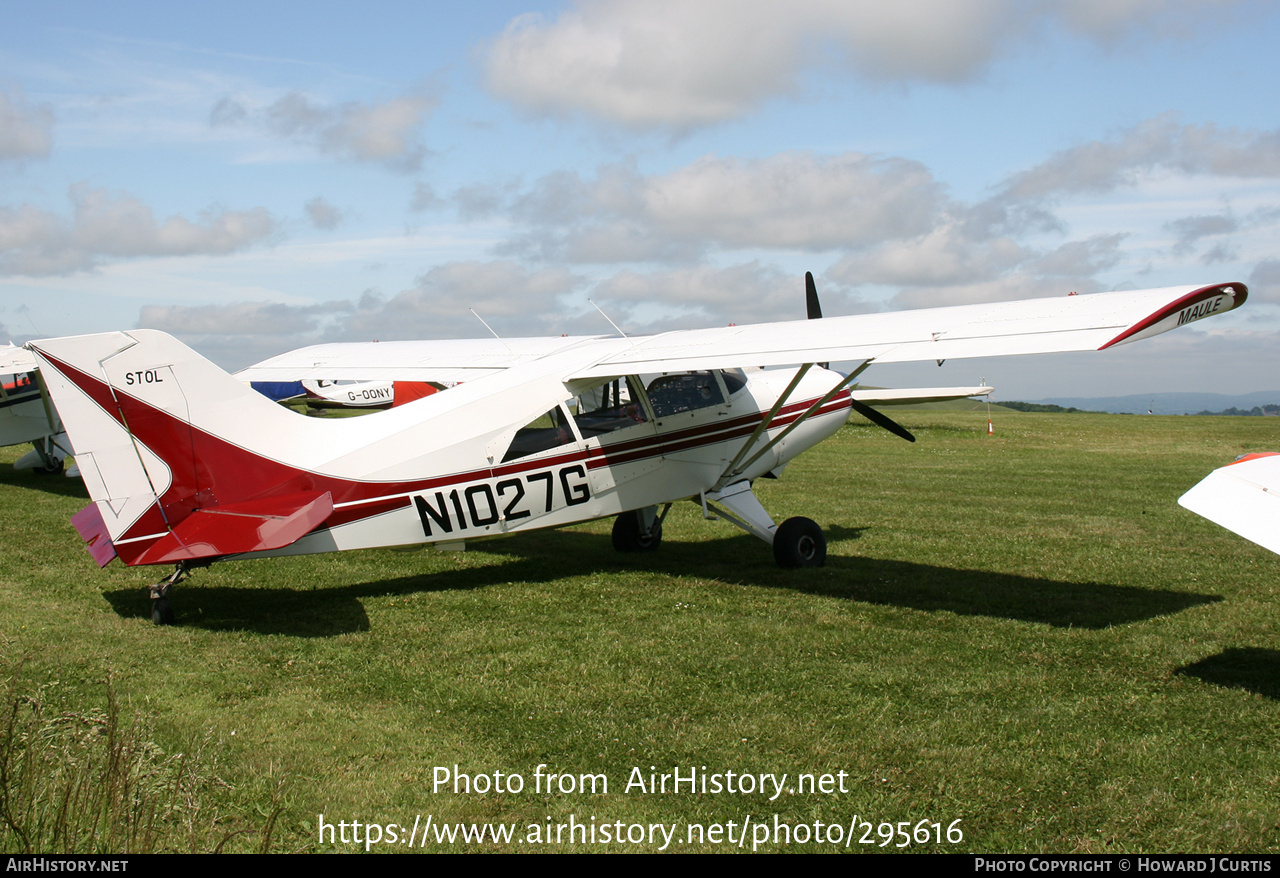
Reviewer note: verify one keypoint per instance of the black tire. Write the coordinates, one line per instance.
(161, 611)
(799, 542)
(52, 469)
(628, 535)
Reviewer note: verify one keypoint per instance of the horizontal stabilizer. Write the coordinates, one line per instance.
(236, 528)
(916, 395)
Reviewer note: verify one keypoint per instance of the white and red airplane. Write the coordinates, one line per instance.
(186, 465)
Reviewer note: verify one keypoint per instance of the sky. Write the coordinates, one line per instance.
(257, 177)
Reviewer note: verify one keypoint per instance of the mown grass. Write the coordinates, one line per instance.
(1023, 632)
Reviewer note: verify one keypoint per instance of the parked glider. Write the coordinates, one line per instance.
(1243, 497)
(186, 465)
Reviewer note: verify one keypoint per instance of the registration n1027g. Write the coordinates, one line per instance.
(511, 499)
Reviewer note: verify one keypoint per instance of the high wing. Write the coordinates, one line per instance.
(1031, 326)
(444, 361)
(1243, 497)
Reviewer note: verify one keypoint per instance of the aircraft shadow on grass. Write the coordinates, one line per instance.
(547, 556)
(1251, 668)
(46, 483)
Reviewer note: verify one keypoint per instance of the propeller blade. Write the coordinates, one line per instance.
(811, 297)
(880, 420)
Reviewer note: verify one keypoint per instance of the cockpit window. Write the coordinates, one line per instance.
(610, 405)
(672, 394)
(547, 431)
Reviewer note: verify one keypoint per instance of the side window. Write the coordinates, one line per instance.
(734, 380)
(611, 405)
(672, 394)
(542, 433)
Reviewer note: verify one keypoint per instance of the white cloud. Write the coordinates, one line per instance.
(1159, 143)
(236, 318)
(947, 254)
(104, 226)
(26, 132)
(387, 133)
(1193, 228)
(513, 299)
(424, 198)
(701, 295)
(322, 214)
(788, 201)
(1264, 281)
(951, 266)
(679, 65)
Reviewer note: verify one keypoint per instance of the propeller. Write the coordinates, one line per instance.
(881, 420)
(811, 303)
(814, 310)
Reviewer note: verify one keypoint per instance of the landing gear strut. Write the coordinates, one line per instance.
(797, 542)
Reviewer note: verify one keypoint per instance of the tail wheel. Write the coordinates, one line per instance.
(161, 611)
(629, 535)
(799, 542)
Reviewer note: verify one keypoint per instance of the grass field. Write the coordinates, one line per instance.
(1023, 633)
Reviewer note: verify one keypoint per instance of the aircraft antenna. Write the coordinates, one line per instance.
(491, 332)
(611, 323)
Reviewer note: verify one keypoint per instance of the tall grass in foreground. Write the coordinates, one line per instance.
(88, 782)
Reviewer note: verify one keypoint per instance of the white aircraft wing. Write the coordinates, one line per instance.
(446, 361)
(1243, 497)
(1030, 326)
(916, 395)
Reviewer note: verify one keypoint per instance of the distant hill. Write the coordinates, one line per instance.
(1043, 407)
(1256, 411)
(1167, 403)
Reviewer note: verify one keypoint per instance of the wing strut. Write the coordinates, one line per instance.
(734, 468)
(764, 425)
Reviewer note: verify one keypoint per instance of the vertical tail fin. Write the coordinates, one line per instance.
(182, 460)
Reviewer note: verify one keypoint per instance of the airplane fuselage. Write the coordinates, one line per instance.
(665, 457)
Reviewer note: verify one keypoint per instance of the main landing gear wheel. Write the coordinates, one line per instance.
(629, 535)
(799, 542)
